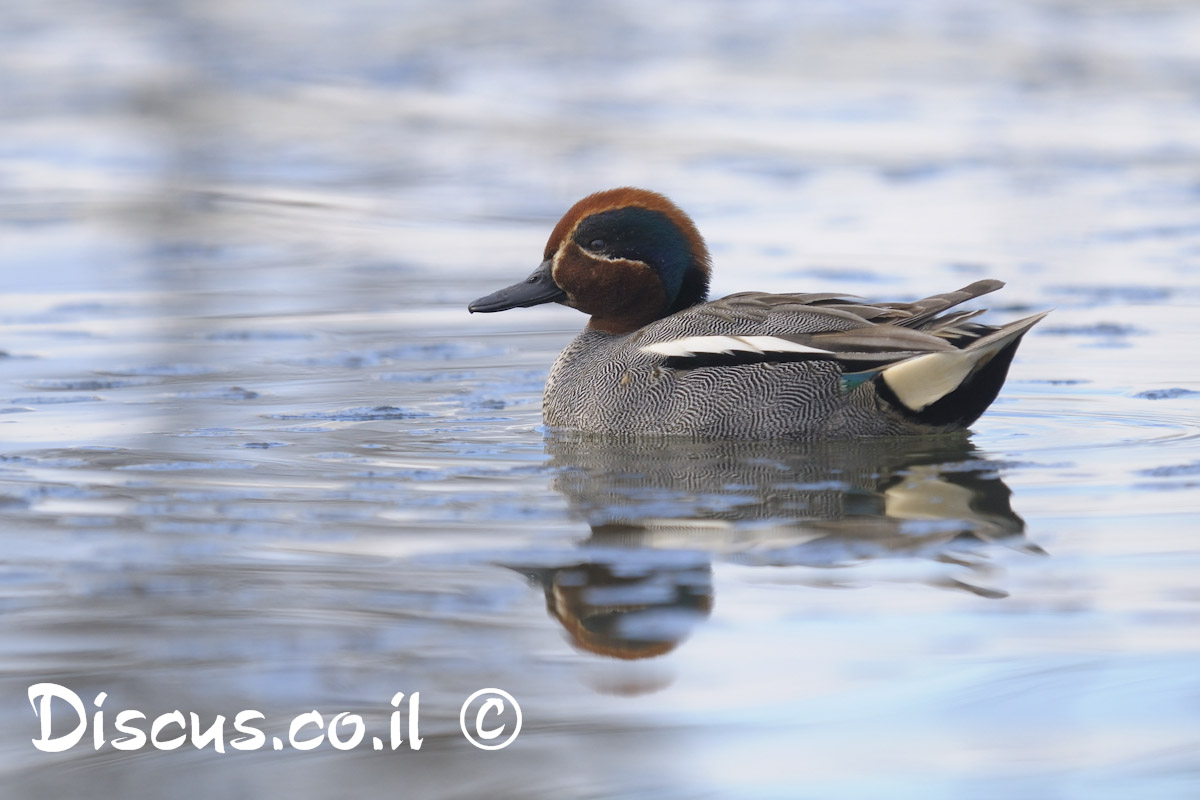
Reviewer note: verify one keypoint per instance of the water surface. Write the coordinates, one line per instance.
(254, 454)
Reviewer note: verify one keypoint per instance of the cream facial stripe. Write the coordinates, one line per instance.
(570, 241)
(555, 260)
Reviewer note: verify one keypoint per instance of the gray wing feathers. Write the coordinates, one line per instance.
(759, 307)
(879, 338)
(925, 310)
(844, 327)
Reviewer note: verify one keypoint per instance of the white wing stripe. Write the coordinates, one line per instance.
(695, 345)
(773, 344)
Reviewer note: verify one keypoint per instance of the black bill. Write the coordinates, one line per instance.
(538, 288)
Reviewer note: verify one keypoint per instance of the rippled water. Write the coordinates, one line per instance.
(254, 454)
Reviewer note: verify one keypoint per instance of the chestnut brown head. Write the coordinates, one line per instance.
(624, 256)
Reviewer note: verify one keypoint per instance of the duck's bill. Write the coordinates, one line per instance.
(538, 288)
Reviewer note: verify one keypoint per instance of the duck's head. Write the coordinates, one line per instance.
(625, 256)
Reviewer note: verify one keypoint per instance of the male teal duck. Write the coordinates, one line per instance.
(657, 358)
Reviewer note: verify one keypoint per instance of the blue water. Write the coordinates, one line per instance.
(254, 453)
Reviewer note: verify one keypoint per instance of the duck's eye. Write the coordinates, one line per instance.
(597, 244)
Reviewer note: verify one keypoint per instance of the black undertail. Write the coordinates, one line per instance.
(965, 404)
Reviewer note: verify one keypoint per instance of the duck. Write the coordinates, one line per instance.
(657, 357)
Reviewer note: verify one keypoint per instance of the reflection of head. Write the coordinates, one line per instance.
(629, 614)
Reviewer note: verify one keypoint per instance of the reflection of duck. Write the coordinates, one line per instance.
(656, 358)
(659, 510)
(656, 484)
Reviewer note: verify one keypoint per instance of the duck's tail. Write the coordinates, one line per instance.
(954, 387)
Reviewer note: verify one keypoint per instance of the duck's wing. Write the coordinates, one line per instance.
(814, 311)
(927, 361)
(754, 327)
